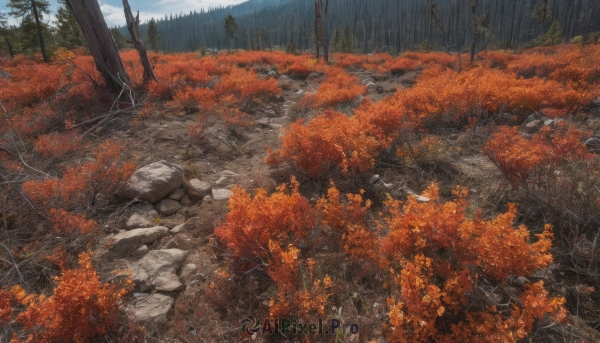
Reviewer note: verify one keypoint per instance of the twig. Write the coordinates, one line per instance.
(25, 163)
(13, 261)
(90, 121)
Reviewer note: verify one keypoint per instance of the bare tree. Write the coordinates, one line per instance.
(133, 25)
(321, 33)
(100, 42)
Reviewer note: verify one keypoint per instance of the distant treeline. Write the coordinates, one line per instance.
(385, 25)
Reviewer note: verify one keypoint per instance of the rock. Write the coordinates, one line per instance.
(271, 114)
(264, 122)
(151, 308)
(521, 281)
(168, 282)
(453, 137)
(141, 251)
(196, 189)
(136, 222)
(221, 194)
(370, 84)
(272, 73)
(153, 182)
(533, 126)
(177, 194)
(223, 181)
(146, 211)
(155, 267)
(207, 199)
(189, 225)
(188, 270)
(126, 242)
(593, 144)
(228, 173)
(167, 207)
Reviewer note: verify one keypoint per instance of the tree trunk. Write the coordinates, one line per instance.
(133, 25)
(476, 29)
(100, 42)
(325, 34)
(40, 33)
(10, 50)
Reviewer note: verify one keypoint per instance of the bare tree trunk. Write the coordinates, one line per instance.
(325, 40)
(40, 33)
(318, 27)
(476, 28)
(133, 25)
(100, 42)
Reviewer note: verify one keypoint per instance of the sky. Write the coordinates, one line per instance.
(113, 9)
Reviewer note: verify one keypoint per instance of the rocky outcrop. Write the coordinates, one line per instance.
(153, 182)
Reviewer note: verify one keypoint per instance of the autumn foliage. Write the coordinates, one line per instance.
(80, 307)
(520, 158)
(433, 256)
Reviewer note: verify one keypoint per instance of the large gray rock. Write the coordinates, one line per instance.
(196, 189)
(221, 194)
(167, 207)
(157, 269)
(136, 222)
(151, 308)
(153, 182)
(125, 243)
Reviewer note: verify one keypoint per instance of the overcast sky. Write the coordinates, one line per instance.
(113, 9)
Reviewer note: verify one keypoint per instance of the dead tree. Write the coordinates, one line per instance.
(133, 25)
(100, 42)
(322, 36)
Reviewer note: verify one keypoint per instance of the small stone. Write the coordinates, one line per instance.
(228, 173)
(167, 207)
(151, 308)
(189, 225)
(521, 281)
(264, 122)
(224, 180)
(221, 194)
(593, 144)
(141, 251)
(177, 194)
(272, 73)
(196, 189)
(208, 199)
(125, 242)
(136, 221)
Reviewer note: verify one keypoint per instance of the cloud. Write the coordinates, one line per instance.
(114, 15)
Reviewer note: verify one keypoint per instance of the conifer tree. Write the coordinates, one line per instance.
(346, 41)
(152, 37)
(335, 41)
(68, 33)
(28, 9)
(231, 27)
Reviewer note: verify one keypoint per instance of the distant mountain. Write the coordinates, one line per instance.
(386, 25)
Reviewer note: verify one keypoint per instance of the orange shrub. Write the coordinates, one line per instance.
(402, 65)
(435, 247)
(57, 144)
(252, 222)
(245, 85)
(81, 306)
(79, 185)
(66, 222)
(519, 158)
(339, 87)
(328, 141)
